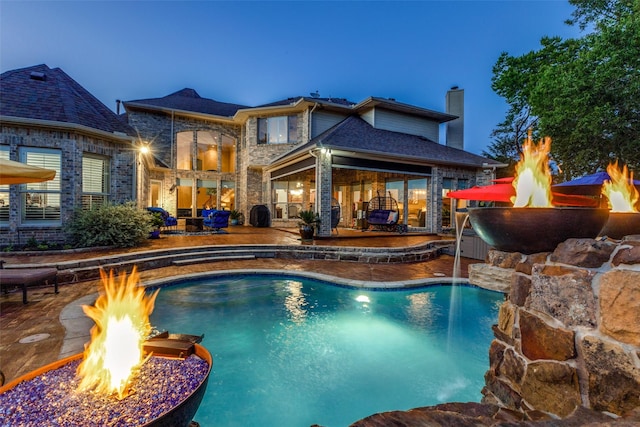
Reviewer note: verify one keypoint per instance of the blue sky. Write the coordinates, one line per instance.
(257, 52)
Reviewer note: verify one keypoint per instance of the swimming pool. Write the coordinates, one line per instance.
(291, 351)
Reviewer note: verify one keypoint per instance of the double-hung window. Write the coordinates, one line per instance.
(4, 192)
(95, 180)
(278, 130)
(40, 201)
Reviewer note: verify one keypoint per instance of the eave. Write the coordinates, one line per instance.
(50, 124)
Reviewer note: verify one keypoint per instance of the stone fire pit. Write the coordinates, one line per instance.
(621, 224)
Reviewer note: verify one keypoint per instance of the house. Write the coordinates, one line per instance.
(305, 153)
(184, 152)
(47, 119)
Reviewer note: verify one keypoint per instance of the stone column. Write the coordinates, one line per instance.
(324, 191)
(568, 335)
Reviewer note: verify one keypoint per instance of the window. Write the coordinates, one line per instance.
(278, 130)
(289, 198)
(40, 201)
(207, 151)
(417, 208)
(395, 189)
(184, 158)
(95, 181)
(214, 152)
(447, 211)
(4, 191)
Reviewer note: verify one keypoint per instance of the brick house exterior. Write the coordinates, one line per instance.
(47, 119)
(297, 153)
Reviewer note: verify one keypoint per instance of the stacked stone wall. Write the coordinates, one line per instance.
(568, 336)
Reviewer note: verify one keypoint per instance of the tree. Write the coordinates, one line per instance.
(584, 93)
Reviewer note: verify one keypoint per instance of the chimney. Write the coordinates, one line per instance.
(455, 128)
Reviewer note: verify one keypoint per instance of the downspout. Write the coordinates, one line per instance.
(315, 105)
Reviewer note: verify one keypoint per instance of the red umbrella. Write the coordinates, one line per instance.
(487, 193)
(504, 192)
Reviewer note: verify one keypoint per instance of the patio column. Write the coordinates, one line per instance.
(324, 191)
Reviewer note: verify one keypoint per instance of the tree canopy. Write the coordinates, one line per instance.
(584, 93)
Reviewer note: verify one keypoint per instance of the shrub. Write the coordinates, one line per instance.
(121, 226)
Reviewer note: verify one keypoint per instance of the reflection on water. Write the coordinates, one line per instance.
(420, 311)
(295, 302)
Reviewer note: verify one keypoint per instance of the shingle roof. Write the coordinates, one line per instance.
(355, 134)
(44, 93)
(189, 100)
(292, 100)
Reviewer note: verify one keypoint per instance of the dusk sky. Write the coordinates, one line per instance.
(253, 53)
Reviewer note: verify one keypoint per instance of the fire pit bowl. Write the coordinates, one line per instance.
(532, 230)
(178, 415)
(621, 224)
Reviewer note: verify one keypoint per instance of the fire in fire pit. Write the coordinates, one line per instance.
(624, 218)
(533, 224)
(121, 317)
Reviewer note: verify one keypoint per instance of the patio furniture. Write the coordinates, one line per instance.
(383, 214)
(215, 219)
(24, 277)
(169, 221)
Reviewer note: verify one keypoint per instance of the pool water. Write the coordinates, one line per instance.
(291, 351)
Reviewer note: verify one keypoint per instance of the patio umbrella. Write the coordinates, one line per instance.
(487, 193)
(20, 173)
(504, 192)
(586, 185)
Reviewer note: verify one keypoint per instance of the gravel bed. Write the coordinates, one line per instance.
(51, 399)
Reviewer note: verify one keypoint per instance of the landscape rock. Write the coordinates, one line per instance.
(542, 341)
(614, 380)
(551, 387)
(564, 293)
(490, 277)
(587, 253)
(620, 305)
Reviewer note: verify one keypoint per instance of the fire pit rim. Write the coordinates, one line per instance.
(510, 232)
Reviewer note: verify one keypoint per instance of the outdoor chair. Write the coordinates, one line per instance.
(215, 219)
(169, 221)
(25, 277)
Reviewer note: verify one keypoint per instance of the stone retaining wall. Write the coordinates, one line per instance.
(568, 335)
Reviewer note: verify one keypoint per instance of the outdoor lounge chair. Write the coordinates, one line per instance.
(215, 219)
(169, 221)
(25, 277)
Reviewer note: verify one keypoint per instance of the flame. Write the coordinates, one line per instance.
(622, 195)
(533, 175)
(115, 352)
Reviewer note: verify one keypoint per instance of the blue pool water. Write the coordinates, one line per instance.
(291, 351)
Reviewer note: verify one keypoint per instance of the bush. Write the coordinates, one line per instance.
(121, 226)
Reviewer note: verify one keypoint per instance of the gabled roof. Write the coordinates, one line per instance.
(43, 93)
(393, 105)
(293, 100)
(188, 100)
(357, 136)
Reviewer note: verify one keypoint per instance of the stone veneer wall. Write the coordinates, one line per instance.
(568, 334)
